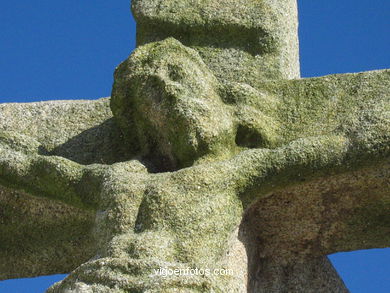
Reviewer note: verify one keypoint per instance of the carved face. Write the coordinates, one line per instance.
(173, 103)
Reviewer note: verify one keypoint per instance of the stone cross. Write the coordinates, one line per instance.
(218, 169)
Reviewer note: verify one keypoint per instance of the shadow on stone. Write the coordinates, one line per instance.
(102, 144)
(219, 36)
(309, 274)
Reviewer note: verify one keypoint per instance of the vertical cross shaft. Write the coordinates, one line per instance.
(240, 40)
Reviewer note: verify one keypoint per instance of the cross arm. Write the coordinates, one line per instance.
(325, 186)
(46, 210)
(40, 236)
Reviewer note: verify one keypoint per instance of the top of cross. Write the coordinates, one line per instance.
(264, 29)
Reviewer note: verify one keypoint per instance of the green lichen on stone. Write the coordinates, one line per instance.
(44, 175)
(82, 131)
(42, 237)
(214, 158)
(167, 99)
(241, 41)
(172, 107)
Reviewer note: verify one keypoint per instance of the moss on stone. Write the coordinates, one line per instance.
(257, 161)
(80, 130)
(239, 40)
(42, 237)
(165, 98)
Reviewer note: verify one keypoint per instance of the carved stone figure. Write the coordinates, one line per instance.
(219, 169)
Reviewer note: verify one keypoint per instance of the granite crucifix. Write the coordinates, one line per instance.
(212, 168)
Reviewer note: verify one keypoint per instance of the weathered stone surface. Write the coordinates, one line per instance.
(36, 231)
(42, 237)
(267, 176)
(166, 98)
(240, 40)
(82, 131)
(171, 108)
(64, 237)
(313, 275)
(135, 206)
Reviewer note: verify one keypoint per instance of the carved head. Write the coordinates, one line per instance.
(165, 98)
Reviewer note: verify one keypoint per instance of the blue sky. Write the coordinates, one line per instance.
(69, 48)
